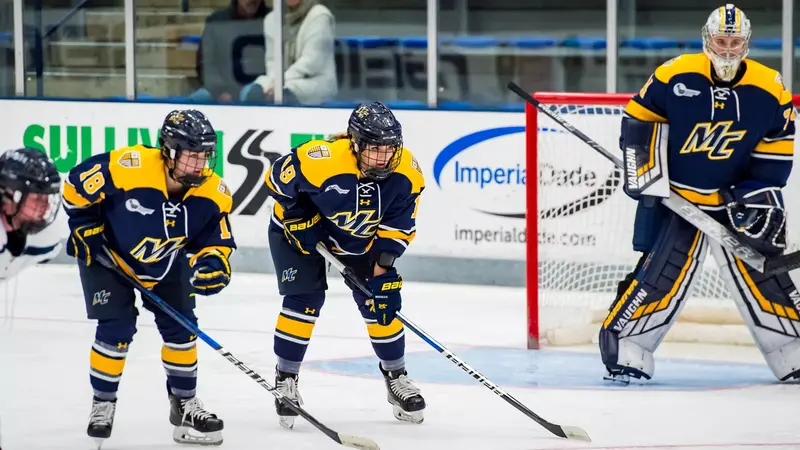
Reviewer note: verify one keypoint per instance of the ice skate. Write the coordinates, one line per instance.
(286, 384)
(101, 421)
(193, 424)
(407, 402)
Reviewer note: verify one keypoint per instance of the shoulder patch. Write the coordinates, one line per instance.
(223, 189)
(319, 152)
(130, 159)
(415, 165)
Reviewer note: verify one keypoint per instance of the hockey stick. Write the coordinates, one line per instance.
(682, 207)
(344, 439)
(568, 432)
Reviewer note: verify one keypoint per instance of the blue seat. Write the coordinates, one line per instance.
(456, 105)
(473, 41)
(404, 104)
(190, 39)
(6, 37)
(513, 107)
(693, 44)
(369, 42)
(414, 42)
(588, 43)
(650, 43)
(533, 42)
(766, 43)
(350, 104)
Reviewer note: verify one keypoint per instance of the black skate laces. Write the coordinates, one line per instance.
(193, 408)
(403, 387)
(288, 388)
(102, 413)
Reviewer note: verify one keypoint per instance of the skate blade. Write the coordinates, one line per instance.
(187, 435)
(287, 421)
(98, 442)
(617, 379)
(415, 417)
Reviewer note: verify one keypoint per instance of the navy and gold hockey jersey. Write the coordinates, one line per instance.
(720, 134)
(145, 228)
(362, 214)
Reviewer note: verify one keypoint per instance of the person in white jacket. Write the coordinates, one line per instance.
(308, 53)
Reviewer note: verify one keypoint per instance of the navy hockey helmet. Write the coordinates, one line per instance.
(28, 174)
(376, 137)
(189, 131)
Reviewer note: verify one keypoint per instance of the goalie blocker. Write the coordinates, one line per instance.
(650, 298)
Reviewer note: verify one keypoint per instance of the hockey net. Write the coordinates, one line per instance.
(584, 229)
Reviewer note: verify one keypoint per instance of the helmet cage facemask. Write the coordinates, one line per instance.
(171, 150)
(17, 193)
(726, 67)
(369, 166)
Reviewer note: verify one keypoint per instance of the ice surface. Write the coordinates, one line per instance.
(725, 399)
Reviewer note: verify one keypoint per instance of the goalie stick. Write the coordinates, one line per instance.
(567, 432)
(343, 439)
(682, 207)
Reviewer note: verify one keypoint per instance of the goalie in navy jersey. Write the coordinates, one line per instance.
(717, 129)
(161, 216)
(357, 193)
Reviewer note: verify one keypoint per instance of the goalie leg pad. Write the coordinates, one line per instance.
(769, 308)
(640, 317)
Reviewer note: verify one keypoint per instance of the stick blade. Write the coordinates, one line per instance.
(575, 433)
(358, 442)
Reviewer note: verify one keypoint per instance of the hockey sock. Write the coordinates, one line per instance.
(180, 364)
(106, 363)
(294, 328)
(389, 342)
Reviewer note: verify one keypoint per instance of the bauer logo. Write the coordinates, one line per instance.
(487, 168)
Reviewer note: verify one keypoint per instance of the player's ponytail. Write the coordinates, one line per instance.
(338, 136)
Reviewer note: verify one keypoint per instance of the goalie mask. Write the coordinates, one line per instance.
(376, 137)
(726, 39)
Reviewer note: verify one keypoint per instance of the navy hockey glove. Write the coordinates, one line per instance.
(757, 214)
(211, 274)
(386, 292)
(86, 242)
(304, 230)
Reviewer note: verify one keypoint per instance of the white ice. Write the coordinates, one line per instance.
(45, 393)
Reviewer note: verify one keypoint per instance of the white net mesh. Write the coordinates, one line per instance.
(585, 232)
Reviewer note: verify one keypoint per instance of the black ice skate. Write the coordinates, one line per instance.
(286, 384)
(407, 403)
(188, 414)
(101, 421)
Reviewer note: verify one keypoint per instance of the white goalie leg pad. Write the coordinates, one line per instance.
(769, 308)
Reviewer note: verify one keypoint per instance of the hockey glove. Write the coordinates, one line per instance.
(757, 214)
(211, 274)
(86, 242)
(386, 292)
(303, 230)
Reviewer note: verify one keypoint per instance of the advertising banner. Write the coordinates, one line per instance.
(474, 165)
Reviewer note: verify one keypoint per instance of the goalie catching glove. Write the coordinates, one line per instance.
(757, 213)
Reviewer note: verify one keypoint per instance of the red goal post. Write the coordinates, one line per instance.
(579, 242)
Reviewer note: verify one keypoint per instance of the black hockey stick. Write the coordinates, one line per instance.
(567, 432)
(682, 207)
(344, 439)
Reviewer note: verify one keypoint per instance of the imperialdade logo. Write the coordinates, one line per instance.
(490, 168)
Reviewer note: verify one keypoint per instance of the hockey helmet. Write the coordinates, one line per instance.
(726, 39)
(24, 172)
(376, 137)
(189, 131)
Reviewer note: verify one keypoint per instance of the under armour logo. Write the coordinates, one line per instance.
(311, 311)
(288, 274)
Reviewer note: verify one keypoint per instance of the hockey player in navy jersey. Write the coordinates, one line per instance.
(161, 216)
(30, 197)
(358, 193)
(718, 129)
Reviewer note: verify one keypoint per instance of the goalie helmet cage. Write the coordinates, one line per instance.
(579, 241)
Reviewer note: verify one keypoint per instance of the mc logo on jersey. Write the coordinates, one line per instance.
(152, 250)
(715, 139)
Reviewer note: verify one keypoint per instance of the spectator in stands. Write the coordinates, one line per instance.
(231, 53)
(308, 53)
